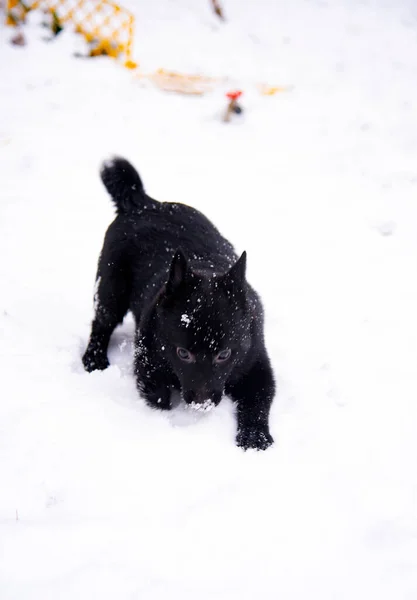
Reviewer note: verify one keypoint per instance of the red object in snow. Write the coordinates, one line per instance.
(234, 95)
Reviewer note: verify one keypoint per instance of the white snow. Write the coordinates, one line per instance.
(185, 319)
(203, 407)
(108, 163)
(101, 497)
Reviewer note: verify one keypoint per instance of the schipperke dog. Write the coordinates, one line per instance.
(199, 323)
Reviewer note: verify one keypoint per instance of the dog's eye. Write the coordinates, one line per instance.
(223, 355)
(184, 355)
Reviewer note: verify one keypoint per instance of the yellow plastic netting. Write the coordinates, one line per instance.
(107, 27)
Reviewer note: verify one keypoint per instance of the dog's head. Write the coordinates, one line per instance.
(204, 324)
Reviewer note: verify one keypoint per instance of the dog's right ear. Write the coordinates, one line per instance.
(238, 271)
(177, 272)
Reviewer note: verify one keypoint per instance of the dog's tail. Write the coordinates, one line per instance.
(124, 185)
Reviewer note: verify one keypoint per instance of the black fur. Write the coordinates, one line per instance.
(195, 299)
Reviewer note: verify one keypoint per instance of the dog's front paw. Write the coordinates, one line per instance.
(254, 438)
(95, 360)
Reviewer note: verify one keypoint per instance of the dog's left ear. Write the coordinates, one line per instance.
(238, 272)
(176, 276)
(177, 272)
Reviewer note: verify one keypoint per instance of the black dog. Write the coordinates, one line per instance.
(199, 323)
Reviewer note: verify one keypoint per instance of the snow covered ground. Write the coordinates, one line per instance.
(101, 497)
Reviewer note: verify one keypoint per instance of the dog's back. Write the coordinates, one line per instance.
(146, 234)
